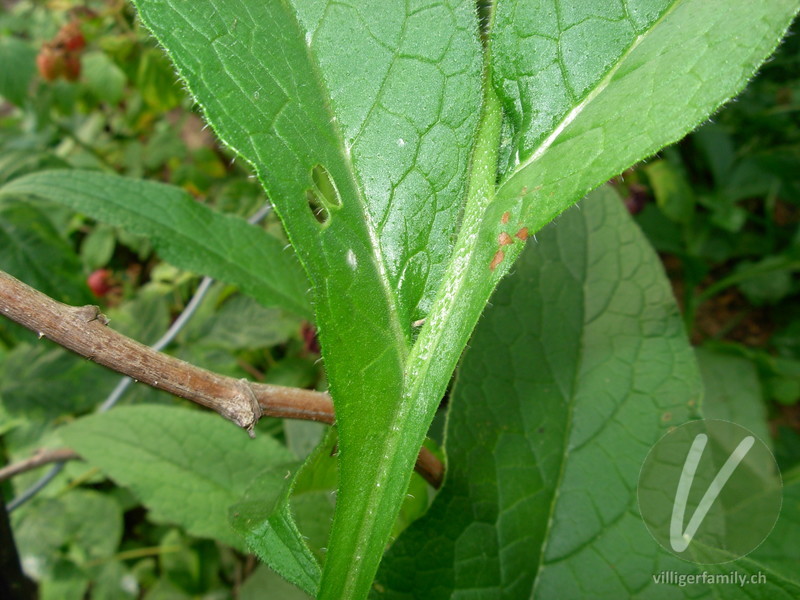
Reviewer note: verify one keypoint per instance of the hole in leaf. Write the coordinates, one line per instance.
(325, 186)
(317, 208)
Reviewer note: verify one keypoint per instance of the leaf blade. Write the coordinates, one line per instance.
(669, 67)
(552, 385)
(185, 232)
(188, 467)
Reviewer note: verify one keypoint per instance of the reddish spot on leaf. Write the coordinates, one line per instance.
(504, 218)
(504, 239)
(498, 258)
(522, 234)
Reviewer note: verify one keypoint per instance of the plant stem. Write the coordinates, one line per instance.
(40, 458)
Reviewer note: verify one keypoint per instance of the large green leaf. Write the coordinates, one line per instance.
(19, 64)
(574, 373)
(187, 467)
(185, 232)
(359, 121)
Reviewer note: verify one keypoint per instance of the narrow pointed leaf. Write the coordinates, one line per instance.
(186, 233)
(593, 87)
(265, 521)
(359, 121)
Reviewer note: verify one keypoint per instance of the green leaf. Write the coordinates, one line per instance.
(556, 405)
(367, 174)
(18, 60)
(186, 466)
(145, 317)
(733, 391)
(186, 233)
(265, 584)
(103, 77)
(44, 383)
(593, 87)
(84, 525)
(264, 518)
(238, 322)
(780, 552)
(579, 366)
(32, 250)
(67, 582)
(97, 247)
(156, 81)
(673, 193)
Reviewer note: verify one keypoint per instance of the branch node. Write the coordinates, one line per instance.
(255, 408)
(90, 312)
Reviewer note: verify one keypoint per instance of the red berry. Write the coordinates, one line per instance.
(72, 66)
(50, 63)
(100, 282)
(71, 38)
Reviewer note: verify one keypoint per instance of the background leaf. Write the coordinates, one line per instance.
(103, 77)
(32, 250)
(733, 391)
(88, 527)
(186, 466)
(186, 233)
(18, 60)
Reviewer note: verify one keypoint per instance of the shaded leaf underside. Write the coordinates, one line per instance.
(579, 366)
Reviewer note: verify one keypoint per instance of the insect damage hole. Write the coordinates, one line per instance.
(323, 197)
(317, 208)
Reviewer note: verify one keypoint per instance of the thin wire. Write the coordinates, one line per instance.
(125, 382)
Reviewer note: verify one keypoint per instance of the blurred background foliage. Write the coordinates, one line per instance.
(82, 85)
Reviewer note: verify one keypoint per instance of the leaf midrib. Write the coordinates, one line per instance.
(589, 97)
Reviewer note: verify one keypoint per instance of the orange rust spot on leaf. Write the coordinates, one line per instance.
(504, 218)
(504, 239)
(522, 234)
(498, 258)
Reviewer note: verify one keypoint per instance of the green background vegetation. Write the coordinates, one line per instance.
(722, 209)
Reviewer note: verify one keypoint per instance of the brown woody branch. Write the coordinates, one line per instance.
(38, 459)
(83, 331)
